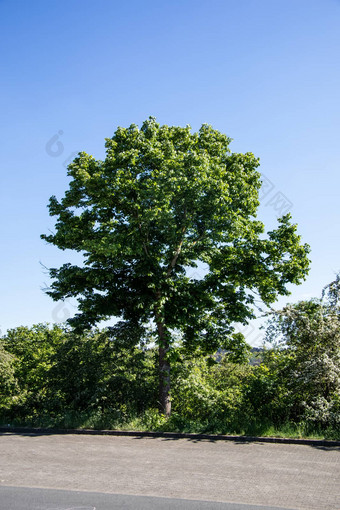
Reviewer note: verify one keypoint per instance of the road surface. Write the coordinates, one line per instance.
(282, 476)
(19, 498)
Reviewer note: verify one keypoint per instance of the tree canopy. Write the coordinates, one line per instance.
(307, 338)
(163, 201)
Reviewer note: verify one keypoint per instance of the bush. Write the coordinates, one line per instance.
(8, 381)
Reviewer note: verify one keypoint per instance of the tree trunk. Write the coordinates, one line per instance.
(164, 371)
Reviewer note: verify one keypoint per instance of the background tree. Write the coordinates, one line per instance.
(163, 200)
(308, 363)
(92, 374)
(8, 382)
(50, 375)
(31, 351)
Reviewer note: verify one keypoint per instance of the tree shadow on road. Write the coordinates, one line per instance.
(169, 436)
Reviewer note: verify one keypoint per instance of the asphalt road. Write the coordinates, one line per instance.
(19, 498)
(135, 471)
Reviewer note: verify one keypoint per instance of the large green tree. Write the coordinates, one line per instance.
(164, 200)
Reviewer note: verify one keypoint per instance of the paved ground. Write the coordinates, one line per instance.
(22, 498)
(286, 476)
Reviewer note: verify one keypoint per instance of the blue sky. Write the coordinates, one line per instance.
(265, 73)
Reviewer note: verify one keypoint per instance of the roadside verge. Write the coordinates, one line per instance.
(172, 435)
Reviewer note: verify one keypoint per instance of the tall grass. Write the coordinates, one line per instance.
(151, 420)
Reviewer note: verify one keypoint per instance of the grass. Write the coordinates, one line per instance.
(151, 420)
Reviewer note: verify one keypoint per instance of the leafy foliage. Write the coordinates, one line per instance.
(93, 372)
(164, 200)
(31, 350)
(50, 376)
(53, 370)
(310, 360)
(209, 390)
(8, 382)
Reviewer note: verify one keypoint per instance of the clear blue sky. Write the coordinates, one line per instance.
(264, 72)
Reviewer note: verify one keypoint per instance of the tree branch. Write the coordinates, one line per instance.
(144, 245)
(197, 240)
(179, 247)
(176, 255)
